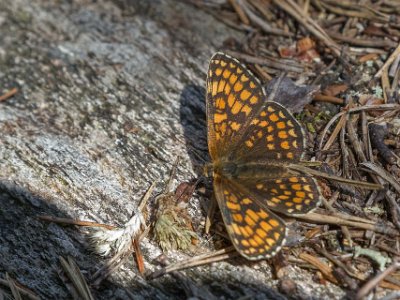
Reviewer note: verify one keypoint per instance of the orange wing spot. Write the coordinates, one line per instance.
(235, 126)
(245, 243)
(270, 138)
(296, 187)
(232, 79)
(232, 65)
(273, 117)
(226, 192)
(282, 134)
(266, 247)
(265, 226)
(253, 243)
(218, 118)
(270, 109)
(252, 250)
(258, 240)
(299, 206)
(307, 201)
(270, 128)
(283, 197)
(233, 206)
(249, 230)
(243, 232)
(244, 95)
(270, 242)
(254, 100)
(239, 71)
(292, 133)
(277, 235)
(220, 103)
(255, 121)
(249, 144)
(297, 200)
(252, 214)
(274, 223)
(226, 73)
(295, 144)
(278, 181)
(259, 186)
(252, 85)
(288, 193)
(289, 123)
(232, 198)
(227, 89)
(293, 179)
(246, 109)
(249, 221)
(223, 63)
(244, 78)
(289, 155)
(281, 115)
(301, 194)
(307, 188)
(263, 114)
(216, 61)
(263, 123)
(282, 186)
(222, 128)
(238, 86)
(274, 191)
(236, 107)
(218, 71)
(237, 217)
(289, 204)
(235, 229)
(311, 196)
(261, 233)
(262, 214)
(231, 100)
(271, 146)
(259, 134)
(221, 86)
(214, 88)
(246, 201)
(280, 125)
(275, 200)
(285, 145)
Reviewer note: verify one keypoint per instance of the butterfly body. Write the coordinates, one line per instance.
(252, 143)
(255, 170)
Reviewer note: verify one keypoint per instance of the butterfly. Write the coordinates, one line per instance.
(252, 142)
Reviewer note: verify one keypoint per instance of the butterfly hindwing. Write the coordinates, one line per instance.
(289, 194)
(256, 232)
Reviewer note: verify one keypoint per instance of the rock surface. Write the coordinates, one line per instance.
(110, 92)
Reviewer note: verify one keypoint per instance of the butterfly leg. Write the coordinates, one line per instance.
(210, 214)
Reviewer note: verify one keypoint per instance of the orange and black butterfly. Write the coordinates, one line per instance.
(252, 141)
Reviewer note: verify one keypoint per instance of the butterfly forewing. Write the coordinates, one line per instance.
(255, 231)
(233, 97)
(273, 135)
